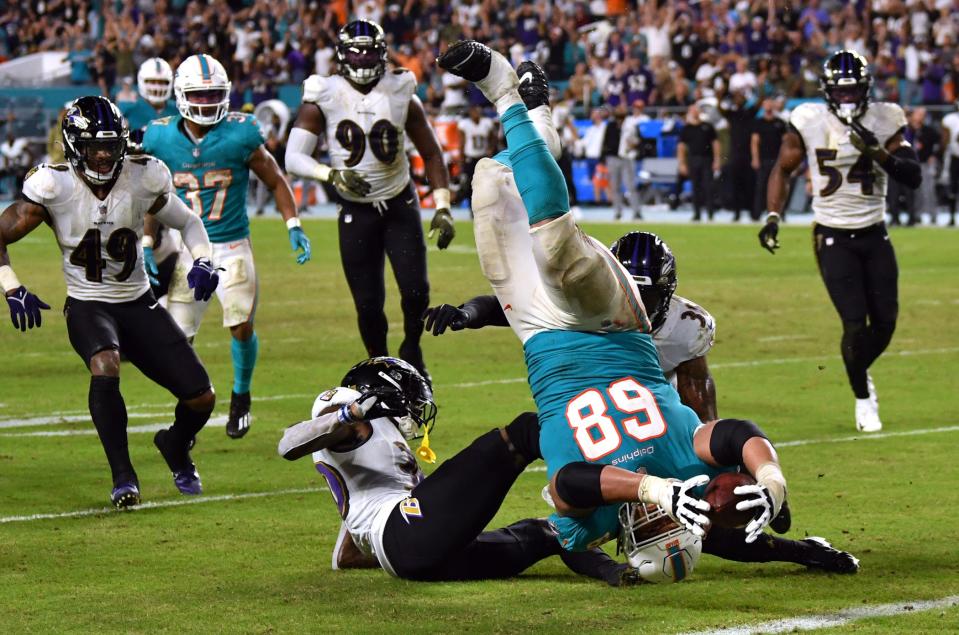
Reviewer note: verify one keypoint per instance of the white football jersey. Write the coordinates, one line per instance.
(849, 190)
(687, 333)
(100, 240)
(367, 133)
(476, 135)
(951, 122)
(368, 482)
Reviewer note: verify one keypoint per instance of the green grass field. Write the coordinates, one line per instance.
(236, 563)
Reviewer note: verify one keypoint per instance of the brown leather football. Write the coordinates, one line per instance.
(722, 501)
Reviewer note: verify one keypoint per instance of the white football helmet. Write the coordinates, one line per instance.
(155, 80)
(202, 90)
(655, 545)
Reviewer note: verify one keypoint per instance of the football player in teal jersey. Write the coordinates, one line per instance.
(155, 85)
(612, 429)
(210, 152)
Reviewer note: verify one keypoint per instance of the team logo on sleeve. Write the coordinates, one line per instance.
(410, 508)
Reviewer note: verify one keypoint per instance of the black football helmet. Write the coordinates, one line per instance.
(361, 51)
(845, 83)
(653, 267)
(404, 389)
(94, 138)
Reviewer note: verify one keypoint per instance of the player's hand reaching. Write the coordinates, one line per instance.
(769, 235)
(25, 309)
(349, 182)
(439, 318)
(150, 264)
(300, 242)
(442, 222)
(373, 404)
(864, 140)
(760, 499)
(203, 279)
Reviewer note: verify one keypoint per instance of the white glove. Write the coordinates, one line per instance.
(674, 497)
(760, 500)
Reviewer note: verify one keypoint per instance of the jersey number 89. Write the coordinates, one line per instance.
(596, 434)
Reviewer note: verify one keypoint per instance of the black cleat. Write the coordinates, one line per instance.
(238, 423)
(467, 59)
(125, 495)
(185, 476)
(824, 557)
(533, 85)
(783, 521)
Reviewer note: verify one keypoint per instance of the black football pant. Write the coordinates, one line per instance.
(370, 232)
(861, 274)
(701, 176)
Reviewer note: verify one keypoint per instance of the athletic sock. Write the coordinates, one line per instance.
(109, 414)
(187, 423)
(538, 178)
(244, 360)
(731, 544)
(594, 563)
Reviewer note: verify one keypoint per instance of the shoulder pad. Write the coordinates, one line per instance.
(155, 176)
(45, 182)
(314, 88)
(804, 114)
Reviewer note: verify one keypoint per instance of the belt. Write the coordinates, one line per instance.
(852, 233)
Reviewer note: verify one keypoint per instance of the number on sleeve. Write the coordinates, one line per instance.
(585, 413)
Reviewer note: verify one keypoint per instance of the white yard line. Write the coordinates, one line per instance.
(160, 504)
(863, 436)
(837, 618)
(219, 421)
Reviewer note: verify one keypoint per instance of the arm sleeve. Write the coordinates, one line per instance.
(484, 310)
(177, 215)
(299, 153)
(298, 439)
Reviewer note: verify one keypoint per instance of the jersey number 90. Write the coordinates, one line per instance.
(384, 141)
(596, 434)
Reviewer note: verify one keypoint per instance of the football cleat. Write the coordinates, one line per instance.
(125, 495)
(238, 424)
(533, 85)
(867, 416)
(185, 476)
(825, 557)
(873, 395)
(478, 63)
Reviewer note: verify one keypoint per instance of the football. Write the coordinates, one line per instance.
(722, 501)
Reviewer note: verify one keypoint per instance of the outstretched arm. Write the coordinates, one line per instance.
(483, 310)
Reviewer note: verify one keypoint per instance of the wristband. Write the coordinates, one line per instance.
(770, 476)
(770, 215)
(343, 415)
(651, 489)
(322, 172)
(147, 241)
(441, 197)
(293, 222)
(8, 279)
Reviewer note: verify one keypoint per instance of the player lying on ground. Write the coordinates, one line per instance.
(96, 207)
(683, 331)
(605, 408)
(211, 153)
(424, 528)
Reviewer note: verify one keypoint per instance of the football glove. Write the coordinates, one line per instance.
(761, 500)
(769, 236)
(439, 318)
(373, 404)
(864, 140)
(25, 309)
(349, 182)
(299, 241)
(683, 506)
(150, 264)
(442, 222)
(203, 279)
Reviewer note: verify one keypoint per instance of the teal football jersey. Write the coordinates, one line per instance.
(212, 176)
(139, 113)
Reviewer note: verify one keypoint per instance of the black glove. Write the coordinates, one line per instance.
(864, 140)
(439, 318)
(25, 309)
(349, 181)
(768, 236)
(376, 403)
(442, 221)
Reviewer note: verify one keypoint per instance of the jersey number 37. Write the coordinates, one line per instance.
(597, 434)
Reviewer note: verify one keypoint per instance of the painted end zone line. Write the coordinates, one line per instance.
(839, 618)
(159, 504)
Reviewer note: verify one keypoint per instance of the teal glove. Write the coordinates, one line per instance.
(150, 264)
(299, 241)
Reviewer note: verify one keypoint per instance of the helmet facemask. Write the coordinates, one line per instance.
(95, 138)
(204, 106)
(156, 91)
(845, 84)
(655, 545)
(361, 53)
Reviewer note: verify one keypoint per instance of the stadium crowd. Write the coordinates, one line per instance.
(625, 57)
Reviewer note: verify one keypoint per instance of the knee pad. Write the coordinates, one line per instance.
(578, 485)
(729, 437)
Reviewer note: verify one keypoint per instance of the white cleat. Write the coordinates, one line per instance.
(873, 395)
(867, 416)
